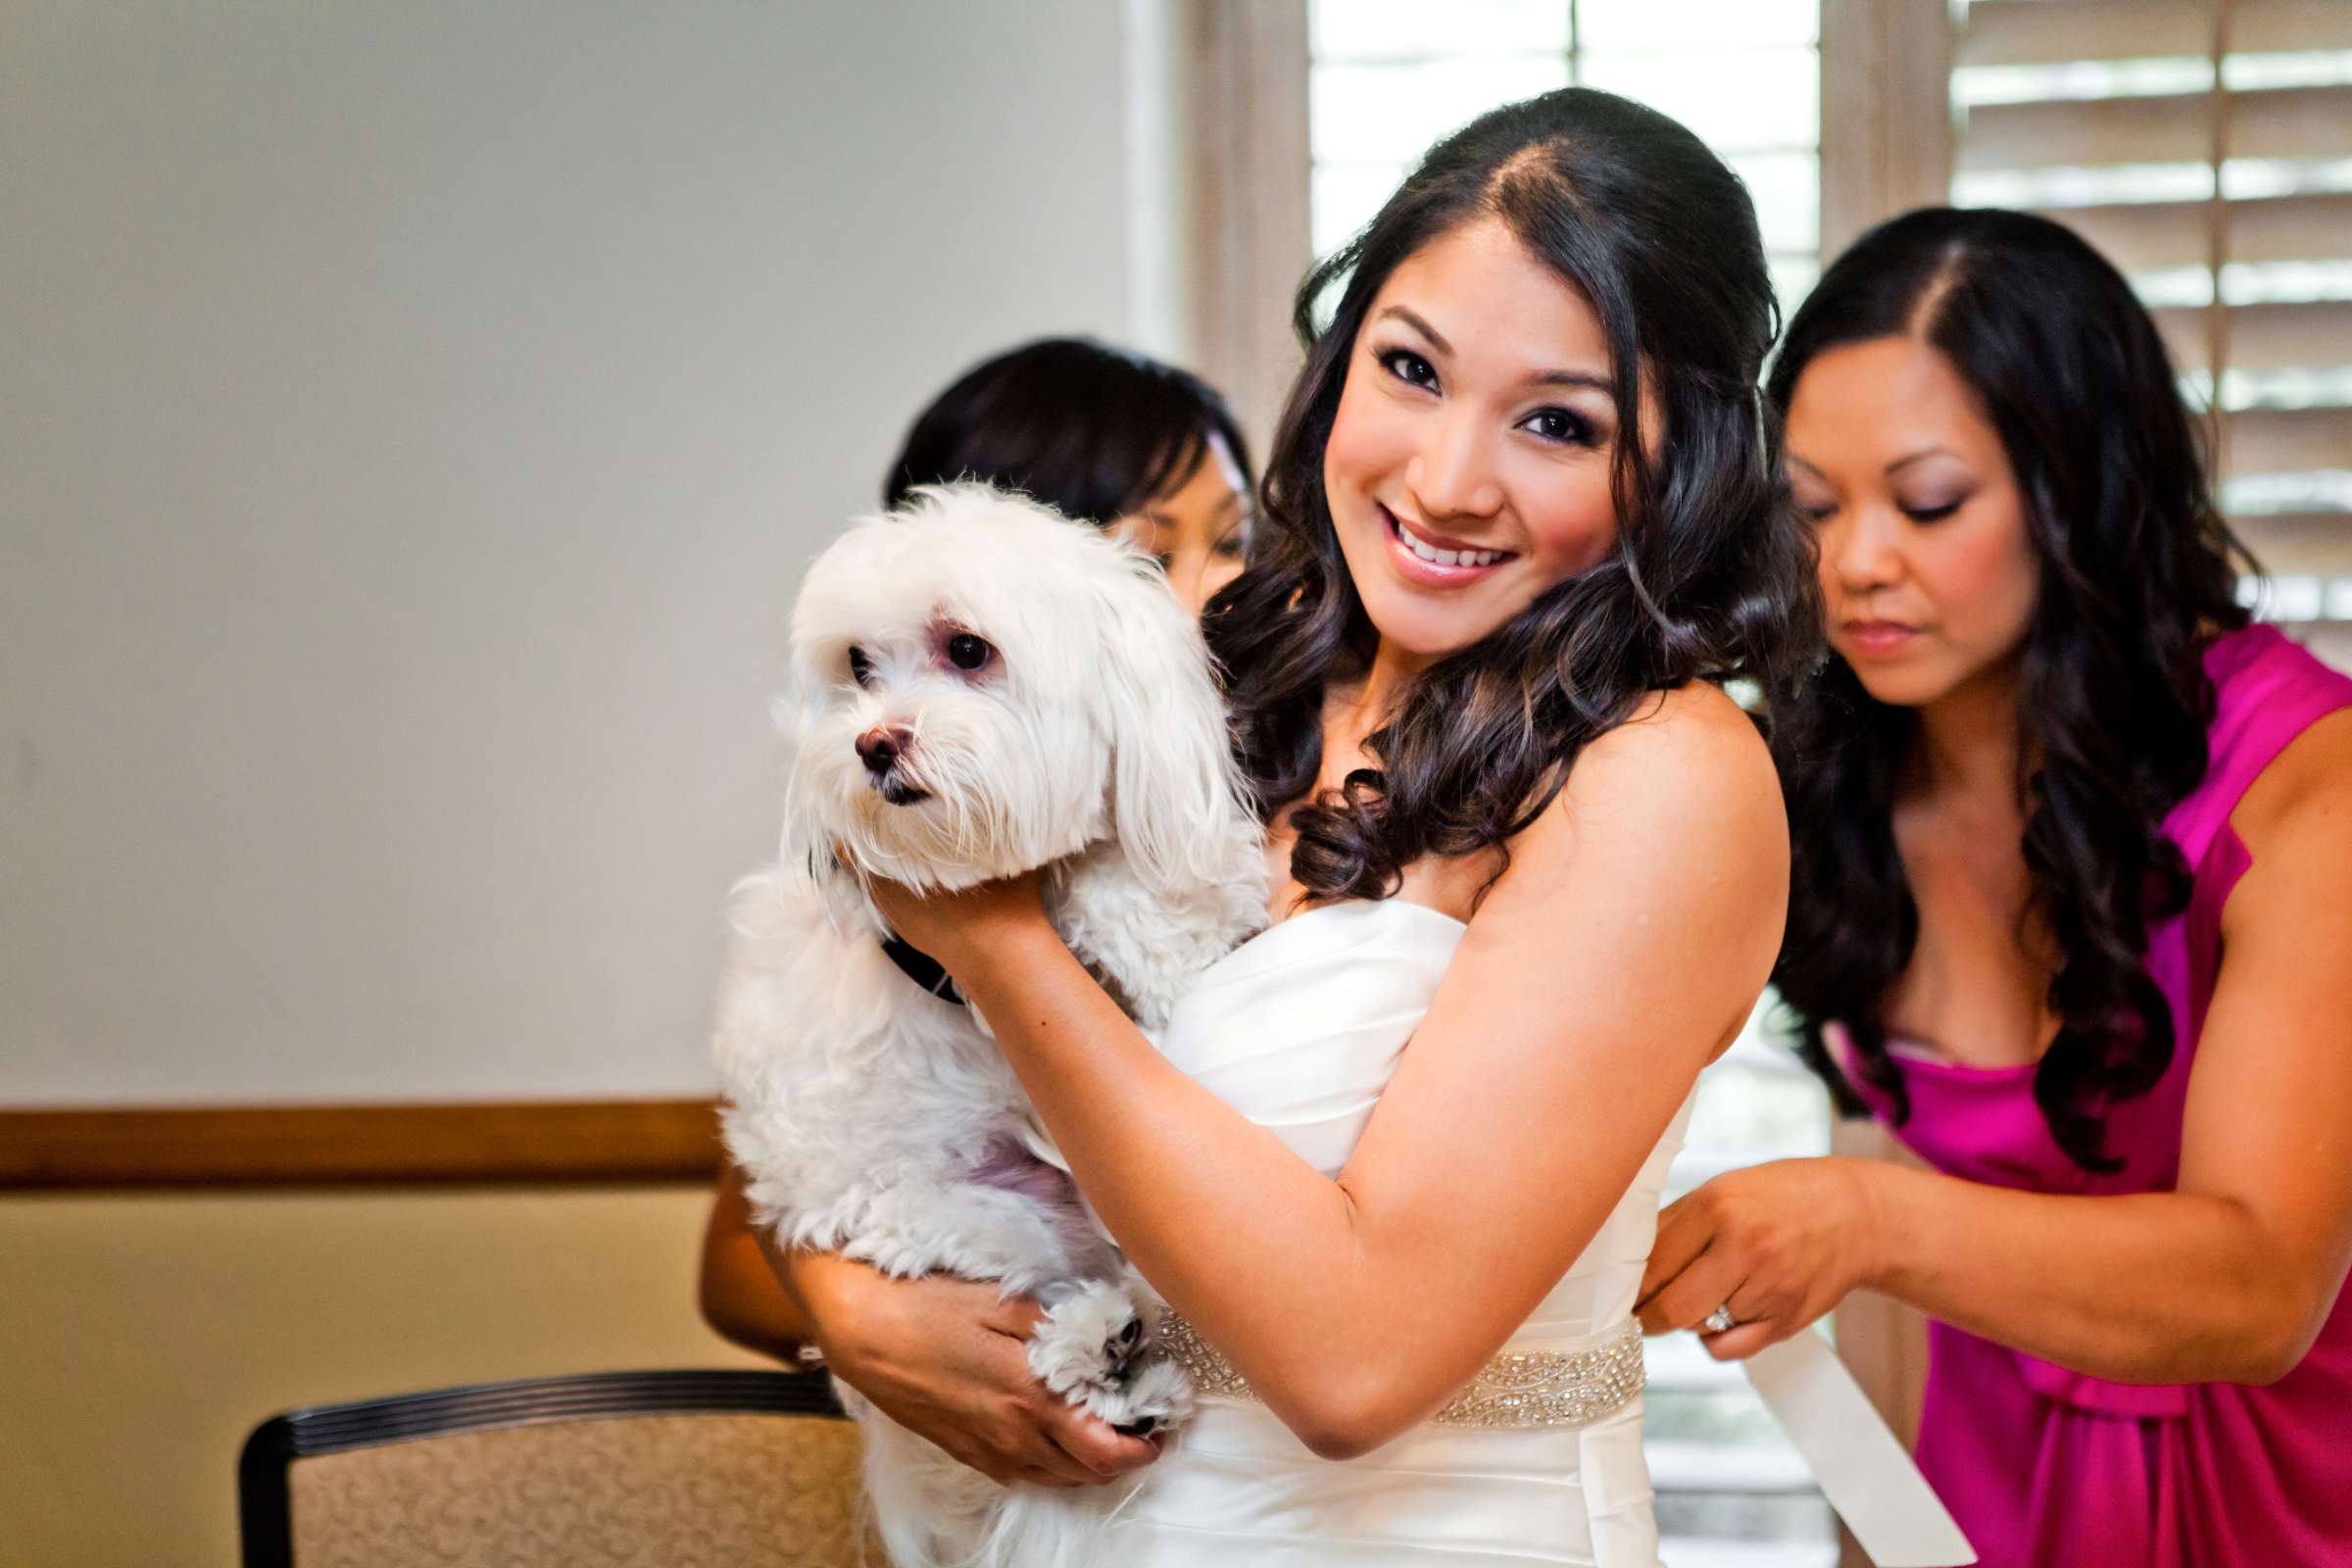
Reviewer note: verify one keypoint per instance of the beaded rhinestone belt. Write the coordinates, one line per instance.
(1517, 1389)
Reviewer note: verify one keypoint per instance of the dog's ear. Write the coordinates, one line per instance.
(807, 842)
(1175, 791)
(793, 713)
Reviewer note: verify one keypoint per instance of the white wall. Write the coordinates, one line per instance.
(412, 421)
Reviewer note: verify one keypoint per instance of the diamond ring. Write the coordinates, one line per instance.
(1719, 1320)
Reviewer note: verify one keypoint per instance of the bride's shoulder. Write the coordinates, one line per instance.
(1693, 743)
(1685, 780)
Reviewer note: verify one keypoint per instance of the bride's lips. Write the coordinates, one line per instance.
(1417, 569)
(1878, 639)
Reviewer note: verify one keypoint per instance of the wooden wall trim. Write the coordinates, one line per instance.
(1248, 197)
(1886, 132)
(343, 1146)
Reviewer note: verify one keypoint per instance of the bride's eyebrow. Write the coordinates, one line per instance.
(1585, 379)
(1593, 379)
(1435, 338)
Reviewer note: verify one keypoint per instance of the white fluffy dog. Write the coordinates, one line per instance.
(983, 688)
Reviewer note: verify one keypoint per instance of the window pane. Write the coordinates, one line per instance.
(2083, 187)
(1345, 196)
(1792, 278)
(1786, 191)
(2079, 79)
(1685, 24)
(2318, 68)
(1390, 114)
(1394, 29)
(2293, 386)
(2246, 179)
(2283, 282)
(1750, 98)
(2320, 490)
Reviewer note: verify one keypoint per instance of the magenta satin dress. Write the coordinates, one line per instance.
(2048, 1468)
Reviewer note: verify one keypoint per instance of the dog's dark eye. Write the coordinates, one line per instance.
(861, 669)
(967, 652)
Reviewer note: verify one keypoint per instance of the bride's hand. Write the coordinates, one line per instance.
(952, 926)
(1775, 1245)
(949, 1362)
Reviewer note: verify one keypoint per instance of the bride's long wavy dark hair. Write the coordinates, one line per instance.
(1709, 578)
(2136, 573)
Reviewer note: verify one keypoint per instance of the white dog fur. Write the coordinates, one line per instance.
(878, 1120)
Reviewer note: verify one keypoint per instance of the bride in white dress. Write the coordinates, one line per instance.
(1397, 1168)
(1301, 1030)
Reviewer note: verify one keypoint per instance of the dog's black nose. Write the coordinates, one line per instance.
(879, 748)
(1143, 1427)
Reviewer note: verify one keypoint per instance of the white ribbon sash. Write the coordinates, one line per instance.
(1863, 1470)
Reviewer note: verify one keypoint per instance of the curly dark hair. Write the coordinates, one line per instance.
(1709, 578)
(2136, 576)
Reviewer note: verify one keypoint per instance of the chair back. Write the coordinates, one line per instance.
(617, 1470)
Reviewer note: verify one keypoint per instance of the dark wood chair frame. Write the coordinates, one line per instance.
(265, 1498)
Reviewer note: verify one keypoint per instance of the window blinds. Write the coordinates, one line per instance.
(2205, 146)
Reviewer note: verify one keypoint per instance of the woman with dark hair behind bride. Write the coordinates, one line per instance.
(2069, 912)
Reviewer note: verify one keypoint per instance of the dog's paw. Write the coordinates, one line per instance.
(1086, 1340)
(1153, 1397)
(1095, 1349)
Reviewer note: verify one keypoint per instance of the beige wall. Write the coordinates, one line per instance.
(414, 419)
(142, 1337)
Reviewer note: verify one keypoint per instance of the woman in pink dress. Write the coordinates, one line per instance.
(2071, 911)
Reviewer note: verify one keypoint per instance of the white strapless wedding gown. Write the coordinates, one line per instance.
(1300, 1029)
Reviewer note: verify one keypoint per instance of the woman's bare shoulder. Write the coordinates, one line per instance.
(1694, 744)
(2305, 790)
(1664, 860)
(1686, 785)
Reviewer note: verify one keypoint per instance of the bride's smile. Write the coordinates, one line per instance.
(1469, 466)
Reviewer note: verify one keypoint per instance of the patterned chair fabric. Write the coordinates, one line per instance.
(494, 1478)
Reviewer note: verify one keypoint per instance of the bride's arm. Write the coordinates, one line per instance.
(1620, 951)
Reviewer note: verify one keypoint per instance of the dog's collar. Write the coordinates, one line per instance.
(921, 968)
